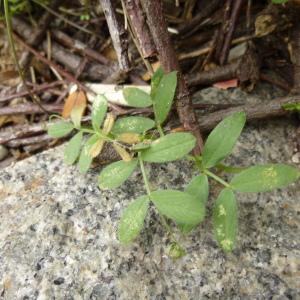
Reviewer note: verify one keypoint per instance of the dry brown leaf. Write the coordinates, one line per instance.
(96, 148)
(129, 138)
(147, 75)
(122, 152)
(75, 100)
(224, 85)
(108, 123)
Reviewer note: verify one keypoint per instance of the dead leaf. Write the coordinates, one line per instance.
(108, 123)
(147, 75)
(122, 152)
(76, 99)
(224, 85)
(96, 148)
(129, 138)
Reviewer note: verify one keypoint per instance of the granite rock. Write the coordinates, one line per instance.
(58, 232)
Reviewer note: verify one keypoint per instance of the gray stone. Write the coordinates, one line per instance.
(58, 233)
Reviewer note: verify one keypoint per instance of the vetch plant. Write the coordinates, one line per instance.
(141, 141)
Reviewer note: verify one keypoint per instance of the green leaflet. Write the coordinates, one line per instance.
(164, 95)
(155, 80)
(136, 97)
(60, 129)
(225, 220)
(178, 206)
(264, 178)
(169, 147)
(72, 149)
(198, 188)
(132, 124)
(116, 173)
(132, 220)
(222, 139)
(99, 111)
(86, 158)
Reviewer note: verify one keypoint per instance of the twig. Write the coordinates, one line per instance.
(53, 12)
(140, 26)
(237, 5)
(69, 60)
(188, 28)
(169, 62)
(15, 132)
(272, 108)
(61, 71)
(296, 56)
(117, 33)
(80, 47)
(28, 109)
(36, 89)
(29, 140)
(205, 50)
(218, 74)
(38, 34)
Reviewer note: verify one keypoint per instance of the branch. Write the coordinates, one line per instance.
(140, 26)
(169, 62)
(117, 32)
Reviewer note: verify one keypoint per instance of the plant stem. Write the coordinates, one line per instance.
(160, 130)
(217, 178)
(147, 186)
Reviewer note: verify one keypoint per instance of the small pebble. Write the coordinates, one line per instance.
(3, 152)
(59, 281)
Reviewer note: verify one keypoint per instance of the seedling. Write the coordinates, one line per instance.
(142, 141)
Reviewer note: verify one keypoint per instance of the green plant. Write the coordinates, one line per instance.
(141, 141)
(279, 1)
(21, 6)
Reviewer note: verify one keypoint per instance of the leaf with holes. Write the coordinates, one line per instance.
(132, 220)
(225, 220)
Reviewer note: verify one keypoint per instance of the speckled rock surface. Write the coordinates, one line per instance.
(58, 233)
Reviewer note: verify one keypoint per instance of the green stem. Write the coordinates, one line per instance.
(217, 178)
(159, 128)
(147, 186)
